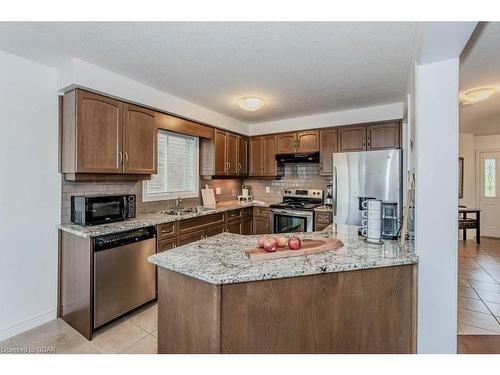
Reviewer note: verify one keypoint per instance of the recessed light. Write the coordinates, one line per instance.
(251, 103)
(476, 95)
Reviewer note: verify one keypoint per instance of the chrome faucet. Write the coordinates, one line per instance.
(178, 204)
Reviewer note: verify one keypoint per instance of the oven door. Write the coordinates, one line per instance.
(290, 221)
(105, 209)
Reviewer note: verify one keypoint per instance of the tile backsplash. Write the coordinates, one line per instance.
(299, 176)
(230, 189)
(305, 176)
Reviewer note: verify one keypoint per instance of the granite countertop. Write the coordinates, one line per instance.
(323, 208)
(146, 220)
(221, 260)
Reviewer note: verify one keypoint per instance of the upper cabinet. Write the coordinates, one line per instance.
(289, 143)
(104, 137)
(352, 138)
(226, 155)
(327, 146)
(377, 136)
(263, 156)
(139, 140)
(383, 136)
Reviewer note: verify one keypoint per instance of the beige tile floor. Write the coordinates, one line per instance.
(135, 333)
(479, 287)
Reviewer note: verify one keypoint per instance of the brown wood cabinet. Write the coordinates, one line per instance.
(352, 138)
(243, 156)
(235, 227)
(104, 136)
(327, 146)
(167, 244)
(247, 227)
(230, 154)
(305, 141)
(214, 230)
(322, 220)
(261, 222)
(263, 156)
(383, 136)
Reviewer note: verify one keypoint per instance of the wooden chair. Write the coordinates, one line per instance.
(465, 223)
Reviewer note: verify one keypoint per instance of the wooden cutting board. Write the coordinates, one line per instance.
(309, 247)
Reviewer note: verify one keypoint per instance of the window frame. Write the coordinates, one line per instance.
(154, 197)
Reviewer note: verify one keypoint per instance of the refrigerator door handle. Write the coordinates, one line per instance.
(335, 190)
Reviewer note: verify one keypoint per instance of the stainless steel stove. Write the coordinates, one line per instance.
(295, 213)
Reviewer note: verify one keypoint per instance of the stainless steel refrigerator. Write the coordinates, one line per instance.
(361, 175)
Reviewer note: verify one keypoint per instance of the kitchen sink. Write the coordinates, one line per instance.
(190, 210)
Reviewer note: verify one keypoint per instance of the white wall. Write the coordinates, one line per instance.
(436, 205)
(487, 142)
(29, 194)
(80, 73)
(354, 116)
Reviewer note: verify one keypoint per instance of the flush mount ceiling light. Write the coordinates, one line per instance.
(476, 95)
(250, 103)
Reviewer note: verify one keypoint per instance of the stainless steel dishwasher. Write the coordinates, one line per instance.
(123, 277)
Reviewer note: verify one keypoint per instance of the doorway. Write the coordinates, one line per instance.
(489, 199)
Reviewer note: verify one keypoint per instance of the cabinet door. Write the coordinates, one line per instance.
(352, 138)
(270, 164)
(256, 154)
(234, 227)
(327, 146)
(220, 145)
(308, 141)
(98, 134)
(139, 140)
(260, 225)
(166, 245)
(247, 226)
(190, 237)
(217, 229)
(383, 136)
(286, 143)
(242, 156)
(232, 154)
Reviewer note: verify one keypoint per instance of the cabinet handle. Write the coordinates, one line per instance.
(239, 167)
(368, 142)
(321, 166)
(120, 157)
(364, 141)
(228, 166)
(126, 157)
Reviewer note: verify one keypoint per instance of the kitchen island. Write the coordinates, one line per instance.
(357, 299)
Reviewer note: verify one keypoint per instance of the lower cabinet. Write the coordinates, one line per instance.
(261, 225)
(234, 227)
(322, 220)
(212, 231)
(184, 239)
(247, 227)
(166, 244)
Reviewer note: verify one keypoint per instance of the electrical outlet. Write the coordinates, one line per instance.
(217, 190)
(268, 189)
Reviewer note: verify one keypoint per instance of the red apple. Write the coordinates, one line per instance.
(280, 241)
(294, 243)
(270, 245)
(261, 240)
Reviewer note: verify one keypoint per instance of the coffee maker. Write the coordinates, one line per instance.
(328, 197)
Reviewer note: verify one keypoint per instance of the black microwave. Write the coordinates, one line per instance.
(93, 209)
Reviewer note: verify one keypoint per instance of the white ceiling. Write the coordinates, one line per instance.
(298, 68)
(480, 66)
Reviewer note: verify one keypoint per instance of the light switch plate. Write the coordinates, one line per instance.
(217, 190)
(268, 189)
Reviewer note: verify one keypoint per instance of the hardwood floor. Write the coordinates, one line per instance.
(479, 289)
(478, 344)
(135, 333)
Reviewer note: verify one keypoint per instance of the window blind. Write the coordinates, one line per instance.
(177, 167)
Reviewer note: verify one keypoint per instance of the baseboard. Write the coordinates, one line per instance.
(27, 324)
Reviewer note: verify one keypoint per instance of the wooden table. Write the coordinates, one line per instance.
(468, 223)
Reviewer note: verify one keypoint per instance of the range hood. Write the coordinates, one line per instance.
(309, 157)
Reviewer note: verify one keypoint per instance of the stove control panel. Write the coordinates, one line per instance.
(303, 193)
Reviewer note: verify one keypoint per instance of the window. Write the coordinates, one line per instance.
(490, 178)
(177, 168)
